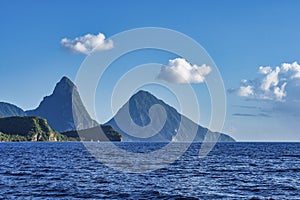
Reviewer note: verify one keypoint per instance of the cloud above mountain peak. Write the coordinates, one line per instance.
(88, 43)
(180, 70)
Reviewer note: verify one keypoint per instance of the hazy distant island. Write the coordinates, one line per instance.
(53, 120)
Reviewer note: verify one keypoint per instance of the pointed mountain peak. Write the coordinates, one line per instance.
(143, 95)
(65, 85)
(65, 80)
(143, 92)
(176, 127)
(58, 108)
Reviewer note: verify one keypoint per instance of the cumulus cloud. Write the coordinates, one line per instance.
(88, 43)
(280, 93)
(272, 84)
(293, 67)
(264, 70)
(245, 91)
(181, 71)
(270, 80)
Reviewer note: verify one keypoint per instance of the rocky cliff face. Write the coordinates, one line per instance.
(139, 105)
(59, 107)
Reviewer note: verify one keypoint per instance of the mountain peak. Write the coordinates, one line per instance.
(64, 109)
(141, 93)
(65, 79)
(64, 86)
(176, 127)
(143, 96)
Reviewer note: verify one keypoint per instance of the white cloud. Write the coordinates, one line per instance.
(294, 68)
(280, 93)
(270, 80)
(272, 85)
(181, 71)
(244, 81)
(264, 70)
(245, 91)
(88, 43)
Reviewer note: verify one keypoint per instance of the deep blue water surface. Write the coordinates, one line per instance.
(230, 171)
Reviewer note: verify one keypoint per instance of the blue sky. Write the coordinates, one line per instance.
(240, 36)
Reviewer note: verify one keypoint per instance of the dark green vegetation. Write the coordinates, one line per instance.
(27, 129)
(18, 129)
(98, 133)
(139, 105)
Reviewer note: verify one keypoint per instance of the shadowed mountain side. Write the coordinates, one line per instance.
(57, 108)
(10, 110)
(177, 127)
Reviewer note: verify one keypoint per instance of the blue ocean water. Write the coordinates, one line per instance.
(230, 171)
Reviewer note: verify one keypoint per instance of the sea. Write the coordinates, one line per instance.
(68, 170)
